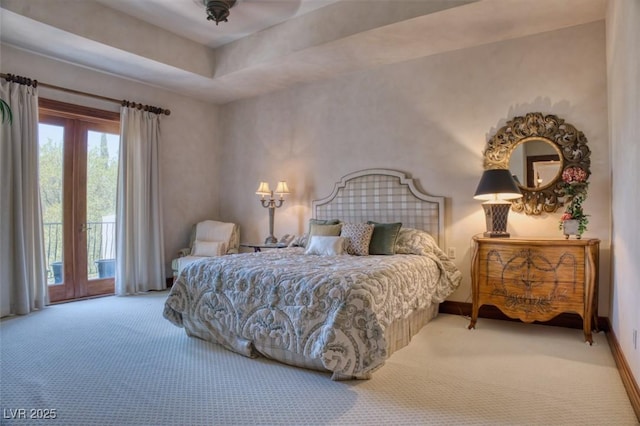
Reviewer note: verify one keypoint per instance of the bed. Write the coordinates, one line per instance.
(340, 313)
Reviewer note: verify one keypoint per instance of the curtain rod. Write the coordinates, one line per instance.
(29, 82)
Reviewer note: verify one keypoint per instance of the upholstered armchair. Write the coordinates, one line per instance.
(208, 239)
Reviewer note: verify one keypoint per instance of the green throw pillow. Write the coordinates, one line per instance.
(383, 240)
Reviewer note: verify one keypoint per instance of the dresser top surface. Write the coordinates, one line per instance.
(538, 241)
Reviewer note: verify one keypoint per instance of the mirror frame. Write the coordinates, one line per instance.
(566, 139)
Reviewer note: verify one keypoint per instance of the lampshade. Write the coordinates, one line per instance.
(282, 188)
(263, 189)
(497, 184)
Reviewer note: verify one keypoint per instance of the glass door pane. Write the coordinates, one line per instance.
(103, 150)
(51, 144)
(79, 153)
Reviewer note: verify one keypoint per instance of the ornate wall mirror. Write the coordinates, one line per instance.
(536, 149)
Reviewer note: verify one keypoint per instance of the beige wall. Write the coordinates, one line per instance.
(623, 60)
(188, 153)
(429, 117)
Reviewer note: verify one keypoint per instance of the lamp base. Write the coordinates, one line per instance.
(497, 234)
(496, 213)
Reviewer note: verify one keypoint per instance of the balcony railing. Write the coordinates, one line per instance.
(101, 238)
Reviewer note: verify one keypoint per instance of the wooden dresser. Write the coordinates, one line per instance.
(536, 279)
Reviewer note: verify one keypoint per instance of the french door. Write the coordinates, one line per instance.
(79, 151)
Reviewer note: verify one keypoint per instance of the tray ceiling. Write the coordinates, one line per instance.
(268, 45)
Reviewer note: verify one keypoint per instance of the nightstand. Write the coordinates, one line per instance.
(536, 279)
(259, 246)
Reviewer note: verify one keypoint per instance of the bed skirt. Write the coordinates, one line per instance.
(398, 335)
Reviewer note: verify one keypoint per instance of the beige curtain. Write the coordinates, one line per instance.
(139, 237)
(23, 279)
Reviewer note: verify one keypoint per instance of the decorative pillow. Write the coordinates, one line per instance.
(415, 241)
(383, 240)
(359, 237)
(325, 245)
(208, 248)
(323, 222)
(326, 230)
(302, 240)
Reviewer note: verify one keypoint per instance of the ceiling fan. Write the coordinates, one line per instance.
(218, 10)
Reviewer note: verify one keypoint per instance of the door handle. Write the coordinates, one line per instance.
(84, 227)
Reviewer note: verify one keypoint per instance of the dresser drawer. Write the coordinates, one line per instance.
(562, 260)
(535, 301)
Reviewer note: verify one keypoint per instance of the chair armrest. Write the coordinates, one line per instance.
(234, 241)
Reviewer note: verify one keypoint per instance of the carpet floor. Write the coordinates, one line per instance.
(117, 361)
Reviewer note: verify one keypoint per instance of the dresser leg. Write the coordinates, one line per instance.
(475, 286)
(587, 332)
(474, 316)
